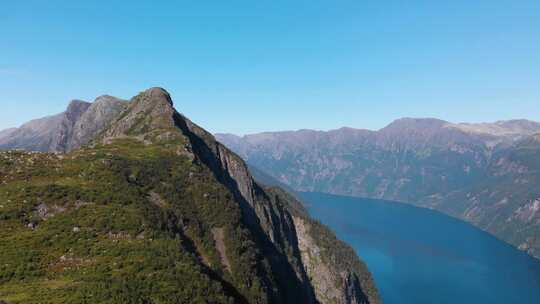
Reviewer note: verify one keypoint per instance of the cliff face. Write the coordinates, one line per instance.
(252, 244)
(94, 120)
(61, 140)
(286, 229)
(331, 284)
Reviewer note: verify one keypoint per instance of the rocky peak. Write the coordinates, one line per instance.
(104, 102)
(60, 140)
(76, 108)
(147, 116)
(418, 133)
(409, 124)
(159, 95)
(99, 116)
(154, 101)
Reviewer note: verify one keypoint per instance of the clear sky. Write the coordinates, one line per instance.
(249, 66)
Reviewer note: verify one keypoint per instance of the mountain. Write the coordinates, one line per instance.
(484, 173)
(35, 135)
(155, 210)
(94, 120)
(65, 131)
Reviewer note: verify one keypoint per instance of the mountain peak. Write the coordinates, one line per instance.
(149, 114)
(414, 123)
(157, 94)
(415, 131)
(154, 102)
(190, 205)
(76, 107)
(106, 97)
(77, 103)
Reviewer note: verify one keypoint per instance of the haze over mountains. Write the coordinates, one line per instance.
(147, 207)
(65, 131)
(485, 173)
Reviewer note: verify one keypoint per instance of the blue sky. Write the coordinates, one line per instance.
(249, 66)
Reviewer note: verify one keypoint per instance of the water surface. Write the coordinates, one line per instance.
(422, 256)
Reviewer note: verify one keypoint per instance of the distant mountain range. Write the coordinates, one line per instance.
(65, 131)
(141, 205)
(485, 173)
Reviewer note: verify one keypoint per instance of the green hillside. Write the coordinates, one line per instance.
(151, 213)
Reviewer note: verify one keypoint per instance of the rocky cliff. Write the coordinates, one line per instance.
(152, 180)
(94, 120)
(60, 140)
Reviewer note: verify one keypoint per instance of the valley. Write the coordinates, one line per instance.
(487, 174)
(422, 256)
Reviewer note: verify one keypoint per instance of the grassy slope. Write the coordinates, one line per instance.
(104, 240)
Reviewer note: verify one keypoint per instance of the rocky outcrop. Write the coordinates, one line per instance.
(96, 118)
(332, 282)
(61, 139)
(147, 112)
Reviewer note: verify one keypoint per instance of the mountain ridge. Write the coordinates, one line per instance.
(155, 182)
(480, 176)
(510, 124)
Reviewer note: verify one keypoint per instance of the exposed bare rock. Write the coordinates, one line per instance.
(79, 124)
(44, 212)
(331, 283)
(98, 117)
(267, 215)
(149, 111)
(219, 236)
(61, 140)
(156, 199)
(528, 212)
(75, 127)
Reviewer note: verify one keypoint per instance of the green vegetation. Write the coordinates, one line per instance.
(122, 223)
(152, 211)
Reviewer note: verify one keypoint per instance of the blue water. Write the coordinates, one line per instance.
(422, 256)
